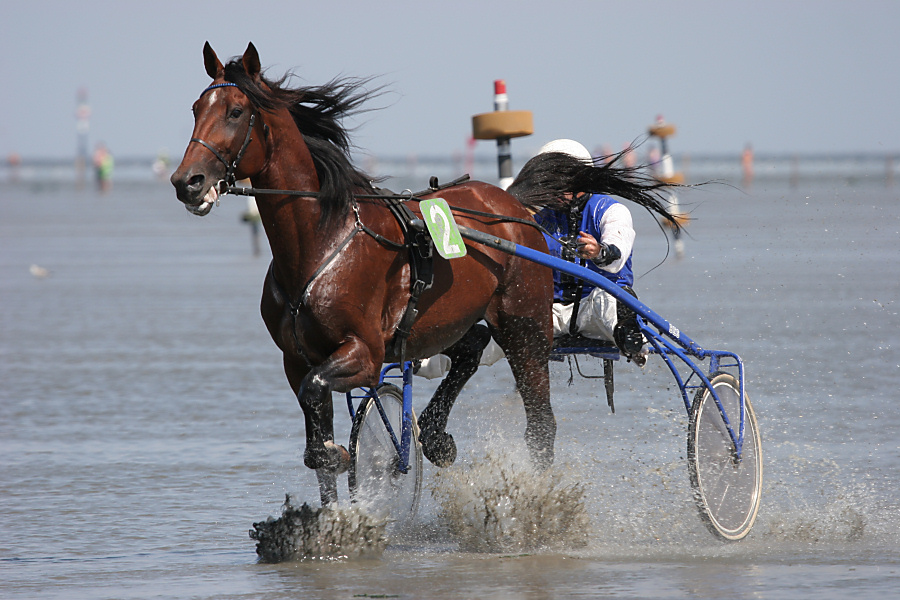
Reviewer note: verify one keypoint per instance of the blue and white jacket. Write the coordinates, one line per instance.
(609, 222)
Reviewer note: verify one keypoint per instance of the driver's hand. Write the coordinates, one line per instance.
(588, 246)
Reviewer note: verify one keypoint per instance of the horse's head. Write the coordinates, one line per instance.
(228, 140)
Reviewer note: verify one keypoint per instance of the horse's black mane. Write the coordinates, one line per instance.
(546, 178)
(317, 111)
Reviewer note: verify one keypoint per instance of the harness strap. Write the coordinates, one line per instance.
(417, 239)
(304, 295)
(209, 147)
(251, 191)
(421, 272)
(358, 226)
(294, 308)
(380, 238)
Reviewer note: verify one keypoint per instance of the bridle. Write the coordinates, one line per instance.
(231, 167)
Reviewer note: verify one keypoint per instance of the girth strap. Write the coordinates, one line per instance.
(421, 271)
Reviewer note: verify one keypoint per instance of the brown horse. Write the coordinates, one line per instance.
(339, 281)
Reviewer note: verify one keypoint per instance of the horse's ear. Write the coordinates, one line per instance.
(214, 67)
(251, 61)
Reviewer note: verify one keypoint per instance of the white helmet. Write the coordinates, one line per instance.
(570, 147)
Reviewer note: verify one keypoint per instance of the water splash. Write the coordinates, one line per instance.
(338, 532)
(499, 504)
(835, 523)
(821, 502)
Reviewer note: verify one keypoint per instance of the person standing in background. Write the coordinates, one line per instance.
(747, 165)
(103, 166)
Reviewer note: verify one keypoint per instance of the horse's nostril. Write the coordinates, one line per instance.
(196, 182)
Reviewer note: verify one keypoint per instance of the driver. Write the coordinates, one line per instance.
(597, 229)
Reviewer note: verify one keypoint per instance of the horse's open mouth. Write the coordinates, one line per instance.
(204, 206)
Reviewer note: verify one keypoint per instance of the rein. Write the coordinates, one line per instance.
(227, 185)
(229, 188)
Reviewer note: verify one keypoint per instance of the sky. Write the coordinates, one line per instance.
(785, 76)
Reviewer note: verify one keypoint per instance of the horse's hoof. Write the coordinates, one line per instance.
(338, 458)
(331, 457)
(439, 448)
(541, 459)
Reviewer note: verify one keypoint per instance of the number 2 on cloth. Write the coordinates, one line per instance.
(442, 227)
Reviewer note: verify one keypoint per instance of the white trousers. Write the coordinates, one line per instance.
(596, 316)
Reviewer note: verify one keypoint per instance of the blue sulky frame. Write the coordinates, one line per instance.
(665, 340)
(402, 445)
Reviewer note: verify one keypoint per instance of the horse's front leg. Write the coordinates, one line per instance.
(321, 453)
(438, 445)
(350, 366)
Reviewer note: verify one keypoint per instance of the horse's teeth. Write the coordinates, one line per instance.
(211, 196)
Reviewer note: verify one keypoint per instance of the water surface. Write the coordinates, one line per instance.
(145, 422)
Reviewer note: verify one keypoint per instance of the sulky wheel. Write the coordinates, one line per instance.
(374, 476)
(727, 491)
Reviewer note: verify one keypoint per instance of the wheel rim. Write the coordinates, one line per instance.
(375, 479)
(728, 491)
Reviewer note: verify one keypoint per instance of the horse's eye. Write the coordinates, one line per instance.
(236, 112)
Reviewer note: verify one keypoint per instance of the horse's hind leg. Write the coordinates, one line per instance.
(527, 347)
(438, 445)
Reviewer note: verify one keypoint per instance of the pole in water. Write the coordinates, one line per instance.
(665, 173)
(82, 125)
(502, 125)
(504, 148)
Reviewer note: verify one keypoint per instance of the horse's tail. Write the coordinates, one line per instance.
(546, 178)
